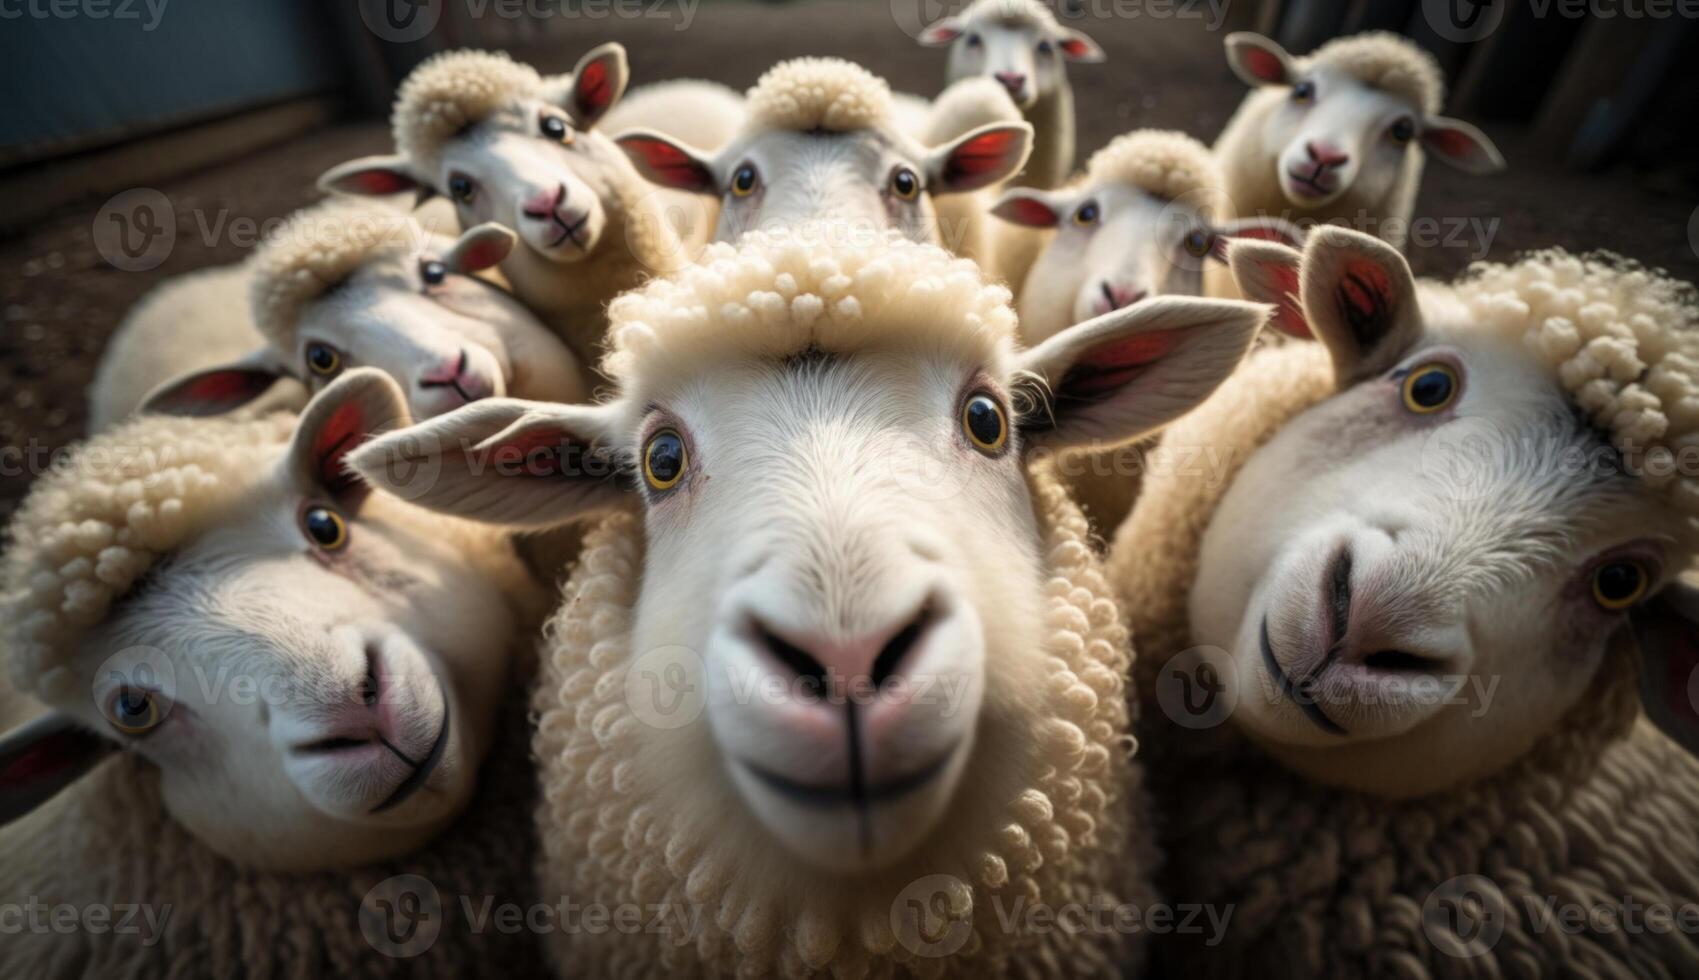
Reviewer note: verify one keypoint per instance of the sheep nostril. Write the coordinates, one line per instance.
(897, 648)
(811, 672)
(371, 685)
(328, 746)
(1401, 662)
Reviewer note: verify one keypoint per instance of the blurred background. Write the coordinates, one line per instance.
(148, 138)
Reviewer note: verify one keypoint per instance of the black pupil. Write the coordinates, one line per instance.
(1431, 388)
(985, 421)
(1088, 213)
(1195, 241)
(905, 182)
(1619, 581)
(131, 705)
(322, 526)
(435, 272)
(1302, 90)
(554, 127)
(666, 457)
(745, 179)
(1402, 130)
(461, 187)
(321, 357)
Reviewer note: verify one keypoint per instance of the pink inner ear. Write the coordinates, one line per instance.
(215, 393)
(939, 34)
(1264, 65)
(592, 90)
(1026, 211)
(1288, 316)
(41, 759)
(1109, 367)
(1073, 47)
(539, 451)
(345, 430)
(482, 254)
(1366, 288)
(1449, 142)
(666, 161)
(378, 182)
(981, 155)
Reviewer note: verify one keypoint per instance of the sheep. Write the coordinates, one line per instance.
(826, 153)
(1019, 44)
(303, 677)
(1341, 135)
(508, 145)
(343, 284)
(699, 112)
(817, 460)
(1458, 484)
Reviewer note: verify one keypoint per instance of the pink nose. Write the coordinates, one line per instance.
(1117, 296)
(1327, 154)
(838, 667)
(454, 374)
(542, 205)
(1012, 80)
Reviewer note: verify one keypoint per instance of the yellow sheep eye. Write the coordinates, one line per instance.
(1429, 388)
(325, 528)
(1620, 584)
(984, 424)
(323, 360)
(664, 460)
(134, 710)
(905, 184)
(743, 182)
(1086, 214)
(1197, 242)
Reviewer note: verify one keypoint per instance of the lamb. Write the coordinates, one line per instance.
(508, 145)
(905, 685)
(825, 153)
(1019, 44)
(1459, 484)
(302, 677)
(345, 284)
(1341, 135)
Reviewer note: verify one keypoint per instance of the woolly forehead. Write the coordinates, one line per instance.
(319, 250)
(767, 301)
(1169, 166)
(819, 94)
(1387, 62)
(452, 92)
(1011, 13)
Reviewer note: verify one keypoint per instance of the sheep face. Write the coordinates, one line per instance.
(1419, 576)
(841, 550)
(316, 675)
(834, 188)
(1115, 245)
(1017, 44)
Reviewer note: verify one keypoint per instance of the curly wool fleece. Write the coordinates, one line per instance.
(831, 94)
(1334, 883)
(451, 91)
(1163, 163)
(616, 833)
(1385, 61)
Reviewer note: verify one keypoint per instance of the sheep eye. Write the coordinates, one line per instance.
(1087, 213)
(134, 710)
(1045, 48)
(1403, 131)
(1197, 243)
(664, 460)
(984, 424)
(905, 184)
(1620, 584)
(325, 528)
(555, 128)
(461, 188)
(974, 40)
(743, 182)
(1304, 92)
(433, 272)
(1429, 388)
(323, 360)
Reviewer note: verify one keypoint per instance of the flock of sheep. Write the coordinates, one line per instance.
(660, 501)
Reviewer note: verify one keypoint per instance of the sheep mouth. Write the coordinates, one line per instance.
(422, 769)
(854, 793)
(1293, 690)
(572, 231)
(1310, 185)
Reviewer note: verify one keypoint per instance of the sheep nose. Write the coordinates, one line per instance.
(1014, 81)
(836, 667)
(1116, 296)
(543, 204)
(1326, 154)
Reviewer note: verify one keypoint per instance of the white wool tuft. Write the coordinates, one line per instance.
(807, 94)
(1011, 13)
(316, 249)
(1385, 61)
(771, 296)
(451, 91)
(1163, 163)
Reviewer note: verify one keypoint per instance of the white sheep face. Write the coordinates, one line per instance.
(317, 681)
(834, 189)
(1003, 42)
(1419, 576)
(844, 545)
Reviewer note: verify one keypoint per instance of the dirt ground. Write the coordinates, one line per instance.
(59, 300)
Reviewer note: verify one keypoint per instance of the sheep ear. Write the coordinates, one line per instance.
(1119, 376)
(942, 33)
(42, 757)
(378, 176)
(521, 464)
(217, 390)
(1259, 61)
(1461, 145)
(1667, 632)
(1277, 230)
(665, 161)
(1267, 272)
(598, 81)
(1077, 47)
(985, 156)
(1360, 300)
(479, 248)
(1031, 208)
(354, 409)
